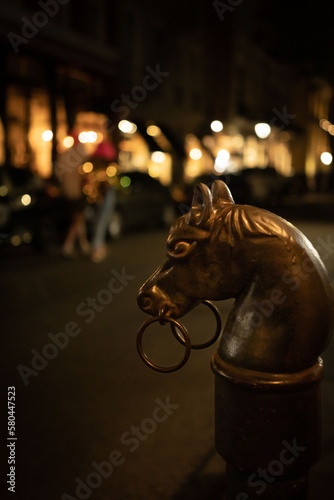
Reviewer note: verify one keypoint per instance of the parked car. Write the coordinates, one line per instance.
(262, 187)
(142, 202)
(183, 193)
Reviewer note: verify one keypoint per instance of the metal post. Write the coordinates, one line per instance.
(268, 430)
(267, 367)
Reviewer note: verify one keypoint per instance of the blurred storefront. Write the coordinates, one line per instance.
(229, 152)
(55, 64)
(34, 138)
(144, 147)
(70, 75)
(32, 134)
(270, 115)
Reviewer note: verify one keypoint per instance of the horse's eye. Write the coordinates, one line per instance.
(181, 248)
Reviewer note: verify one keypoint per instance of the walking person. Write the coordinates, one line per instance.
(71, 184)
(102, 156)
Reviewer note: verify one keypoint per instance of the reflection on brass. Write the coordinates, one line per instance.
(215, 336)
(282, 318)
(267, 367)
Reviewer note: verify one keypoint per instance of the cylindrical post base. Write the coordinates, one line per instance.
(242, 485)
(268, 430)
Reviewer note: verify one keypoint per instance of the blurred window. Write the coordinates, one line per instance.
(2, 143)
(18, 117)
(40, 121)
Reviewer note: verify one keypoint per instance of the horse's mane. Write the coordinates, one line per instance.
(237, 222)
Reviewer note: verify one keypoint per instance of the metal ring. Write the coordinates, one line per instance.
(185, 341)
(216, 334)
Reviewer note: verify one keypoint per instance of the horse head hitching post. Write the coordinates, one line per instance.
(267, 367)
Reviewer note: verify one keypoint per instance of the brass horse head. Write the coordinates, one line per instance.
(282, 318)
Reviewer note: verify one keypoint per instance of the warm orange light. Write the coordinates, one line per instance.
(153, 130)
(101, 175)
(89, 137)
(216, 126)
(87, 167)
(326, 158)
(195, 154)
(68, 142)
(26, 200)
(47, 135)
(158, 157)
(127, 127)
(222, 159)
(111, 171)
(262, 130)
(324, 124)
(154, 171)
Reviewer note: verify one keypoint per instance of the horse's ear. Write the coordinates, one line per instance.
(201, 206)
(220, 194)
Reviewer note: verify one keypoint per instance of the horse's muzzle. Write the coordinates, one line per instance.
(153, 303)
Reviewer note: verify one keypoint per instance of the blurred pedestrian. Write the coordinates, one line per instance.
(71, 184)
(106, 202)
(104, 212)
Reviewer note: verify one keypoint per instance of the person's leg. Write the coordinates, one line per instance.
(103, 217)
(82, 233)
(68, 245)
(71, 235)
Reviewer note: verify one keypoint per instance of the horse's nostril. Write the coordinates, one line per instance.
(144, 301)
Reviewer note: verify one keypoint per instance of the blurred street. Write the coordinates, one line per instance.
(109, 119)
(92, 420)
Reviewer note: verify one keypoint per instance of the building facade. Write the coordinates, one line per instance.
(90, 65)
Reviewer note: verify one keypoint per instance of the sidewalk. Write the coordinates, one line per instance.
(87, 400)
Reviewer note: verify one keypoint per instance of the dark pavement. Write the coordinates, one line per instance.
(92, 421)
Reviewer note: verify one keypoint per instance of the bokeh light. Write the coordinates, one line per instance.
(154, 171)
(262, 130)
(111, 170)
(88, 136)
(127, 127)
(47, 135)
(26, 200)
(216, 126)
(324, 124)
(87, 167)
(195, 154)
(68, 141)
(326, 158)
(125, 181)
(3, 190)
(158, 157)
(153, 130)
(221, 161)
